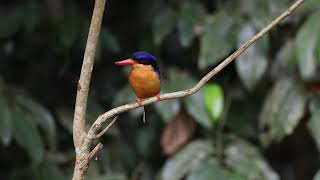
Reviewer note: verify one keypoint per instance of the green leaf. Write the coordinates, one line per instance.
(41, 116)
(196, 108)
(190, 15)
(187, 159)
(163, 24)
(217, 39)
(245, 159)
(317, 176)
(26, 135)
(211, 170)
(213, 98)
(306, 42)
(314, 122)
(282, 111)
(285, 60)
(5, 122)
(252, 64)
(168, 109)
(244, 125)
(49, 171)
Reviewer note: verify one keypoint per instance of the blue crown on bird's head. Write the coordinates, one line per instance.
(141, 55)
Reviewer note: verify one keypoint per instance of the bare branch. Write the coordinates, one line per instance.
(85, 75)
(95, 150)
(107, 128)
(115, 111)
(82, 146)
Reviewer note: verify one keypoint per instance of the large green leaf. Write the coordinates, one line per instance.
(27, 135)
(195, 106)
(163, 24)
(211, 170)
(41, 116)
(214, 101)
(187, 159)
(285, 60)
(252, 64)
(190, 15)
(282, 110)
(5, 121)
(217, 40)
(314, 122)
(306, 44)
(246, 160)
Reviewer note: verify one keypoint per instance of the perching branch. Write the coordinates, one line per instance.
(115, 111)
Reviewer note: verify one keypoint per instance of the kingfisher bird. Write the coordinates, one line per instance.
(144, 77)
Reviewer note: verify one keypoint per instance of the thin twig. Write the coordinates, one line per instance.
(115, 111)
(95, 150)
(107, 128)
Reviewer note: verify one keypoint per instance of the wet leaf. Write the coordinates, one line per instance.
(190, 15)
(177, 132)
(195, 106)
(246, 160)
(5, 122)
(187, 159)
(214, 99)
(26, 135)
(252, 64)
(211, 170)
(306, 44)
(163, 24)
(217, 39)
(282, 111)
(314, 122)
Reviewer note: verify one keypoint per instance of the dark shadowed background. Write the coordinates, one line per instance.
(258, 119)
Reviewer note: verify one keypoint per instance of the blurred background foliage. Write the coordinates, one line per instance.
(257, 119)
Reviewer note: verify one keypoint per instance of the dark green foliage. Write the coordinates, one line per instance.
(265, 103)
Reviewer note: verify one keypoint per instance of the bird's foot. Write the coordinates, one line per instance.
(139, 101)
(158, 97)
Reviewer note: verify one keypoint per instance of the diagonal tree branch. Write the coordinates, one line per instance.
(115, 111)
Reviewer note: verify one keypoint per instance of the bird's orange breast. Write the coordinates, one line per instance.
(144, 81)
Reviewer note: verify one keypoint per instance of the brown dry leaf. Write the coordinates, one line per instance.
(177, 132)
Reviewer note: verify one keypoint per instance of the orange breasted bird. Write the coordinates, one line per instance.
(144, 77)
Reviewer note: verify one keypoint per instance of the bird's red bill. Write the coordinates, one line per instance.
(125, 62)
